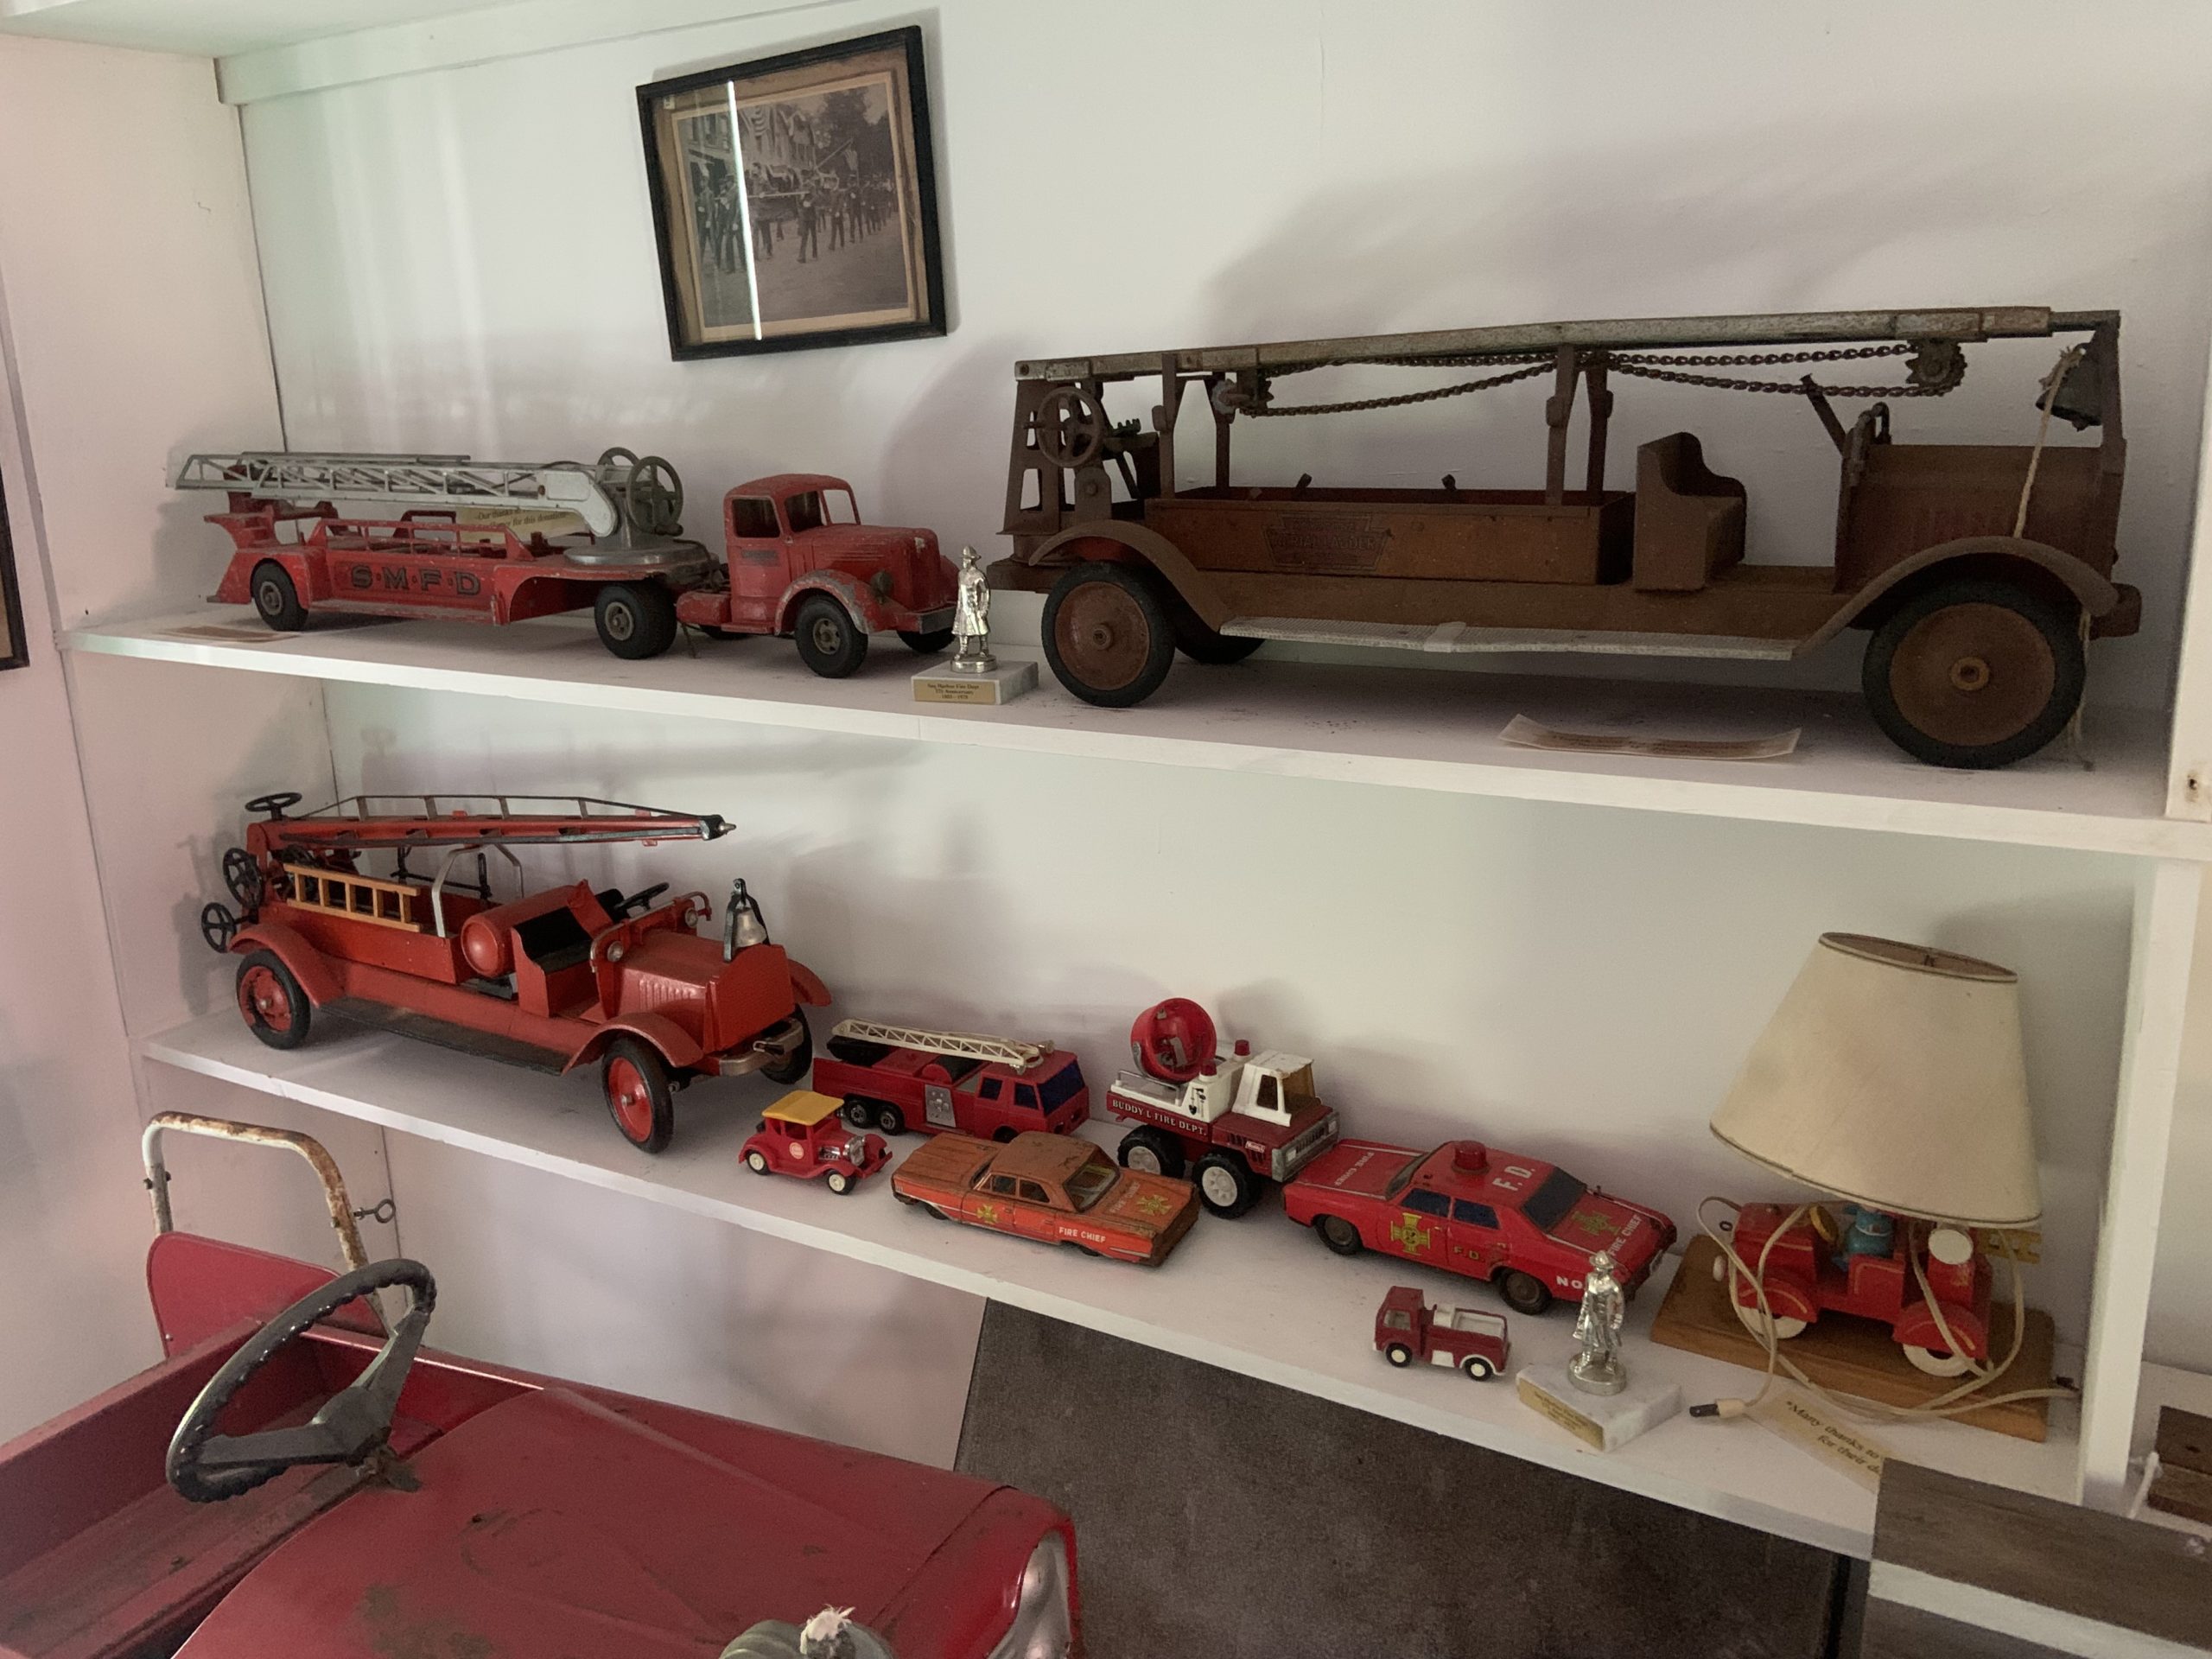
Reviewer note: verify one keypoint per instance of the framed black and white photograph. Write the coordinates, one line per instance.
(795, 200)
(13, 653)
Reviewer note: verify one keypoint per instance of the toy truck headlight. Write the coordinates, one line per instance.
(1044, 1621)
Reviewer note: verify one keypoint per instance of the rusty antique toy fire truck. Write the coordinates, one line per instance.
(1235, 1120)
(292, 1478)
(1059, 1189)
(900, 1078)
(1866, 1267)
(1528, 1227)
(800, 1135)
(1408, 1328)
(492, 542)
(552, 980)
(1977, 570)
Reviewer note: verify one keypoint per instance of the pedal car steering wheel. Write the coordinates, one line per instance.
(207, 1467)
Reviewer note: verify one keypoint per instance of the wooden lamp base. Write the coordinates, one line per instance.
(1850, 1356)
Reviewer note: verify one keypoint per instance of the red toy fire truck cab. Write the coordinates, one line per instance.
(800, 562)
(1804, 1280)
(1528, 1227)
(442, 1506)
(900, 1078)
(1408, 1328)
(551, 980)
(800, 1135)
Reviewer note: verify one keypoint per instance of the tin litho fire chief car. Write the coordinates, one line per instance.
(1528, 1227)
(1059, 1188)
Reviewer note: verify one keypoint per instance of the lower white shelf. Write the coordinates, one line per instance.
(1256, 1296)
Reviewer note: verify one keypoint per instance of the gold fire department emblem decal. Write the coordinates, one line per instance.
(1409, 1235)
(988, 1214)
(1154, 1203)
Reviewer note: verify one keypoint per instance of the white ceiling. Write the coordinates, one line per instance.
(214, 29)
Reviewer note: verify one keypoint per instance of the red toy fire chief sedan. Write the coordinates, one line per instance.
(1528, 1227)
(1059, 1188)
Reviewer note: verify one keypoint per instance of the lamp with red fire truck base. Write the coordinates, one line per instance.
(900, 1078)
(1526, 1226)
(552, 979)
(1235, 1121)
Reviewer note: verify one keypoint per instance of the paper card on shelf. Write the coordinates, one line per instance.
(1526, 734)
(1809, 1426)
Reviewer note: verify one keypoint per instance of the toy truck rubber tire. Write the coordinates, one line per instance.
(1107, 635)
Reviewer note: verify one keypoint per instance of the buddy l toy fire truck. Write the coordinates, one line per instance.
(1869, 1269)
(1236, 1120)
(437, 1505)
(900, 1078)
(1407, 1328)
(800, 1135)
(1528, 1227)
(551, 980)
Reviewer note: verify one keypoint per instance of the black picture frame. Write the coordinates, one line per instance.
(14, 649)
(759, 169)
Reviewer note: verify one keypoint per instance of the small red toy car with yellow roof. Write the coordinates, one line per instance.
(801, 1135)
(1059, 1188)
(1528, 1227)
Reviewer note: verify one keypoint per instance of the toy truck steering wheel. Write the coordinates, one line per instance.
(207, 1467)
(1071, 427)
(641, 899)
(274, 805)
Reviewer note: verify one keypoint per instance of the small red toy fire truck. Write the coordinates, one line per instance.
(800, 562)
(1236, 1120)
(551, 980)
(1821, 1265)
(800, 1135)
(1406, 1329)
(900, 1078)
(292, 1478)
(1526, 1226)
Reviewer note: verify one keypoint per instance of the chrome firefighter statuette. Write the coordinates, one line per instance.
(1598, 1367)
(971, 619)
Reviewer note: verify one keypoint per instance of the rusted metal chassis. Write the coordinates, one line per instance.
(476, 573)
(334, 1197)
(1777, 611)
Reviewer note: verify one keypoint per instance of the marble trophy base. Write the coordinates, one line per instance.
(1001, 684)
(1604, 1420)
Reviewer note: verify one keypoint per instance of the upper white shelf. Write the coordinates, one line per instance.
(1407, 728)
(1258, 1296)
(215, 28)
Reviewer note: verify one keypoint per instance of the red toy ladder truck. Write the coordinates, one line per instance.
(551, 980)
(900, 1077)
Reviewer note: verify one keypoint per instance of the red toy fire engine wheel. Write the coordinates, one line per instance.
(792, 1066)
(757, 1162)
(638, 1096)
(1478, 1368)
(1226, 1185)
(1523, 1293)
(839, 1182)
(1398, 1354)
(276, 1010)
(1151, 1152)
(926, 644)
(1936, 1362)
(636, 619)
(828, 641)
(276, 599)
(1338, 1235)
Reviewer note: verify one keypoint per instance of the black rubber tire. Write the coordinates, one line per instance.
(1398, 1354)
(1200, 642)
(1478, 1368)
(791, 1069)
(889, 1118)
(928, 644)
(860, 1111)
(1338, 1235)
(2060, 634)
(1165, 1152)
(829, 642)
(300, 1013)
(757, 1162)
(1522, 1294)
(1002, 1134)
(840, 1183)
(660, 1094)
(1133, 592)
(276, 598)
(1224, 1169)
(636, 619)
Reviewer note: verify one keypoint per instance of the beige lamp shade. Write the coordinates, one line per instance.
(1892, 1075)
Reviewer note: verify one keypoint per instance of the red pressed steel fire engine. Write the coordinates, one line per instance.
(551, 980)
(900, 1078)
(443, 1506)
(1805, 1278)
(1238, 1121)
(800, 562)
(1526, 1226)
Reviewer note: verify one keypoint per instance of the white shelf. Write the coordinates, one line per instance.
(1405, 728)
(1256, 1296)
(213, 29)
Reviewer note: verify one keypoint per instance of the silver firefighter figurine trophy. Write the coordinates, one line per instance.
(1598, 1367)
(1590, 1397)
(973, 675)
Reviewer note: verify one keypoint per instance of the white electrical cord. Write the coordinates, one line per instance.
(1952, 1402)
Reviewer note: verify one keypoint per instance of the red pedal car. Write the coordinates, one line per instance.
(1528, 1227)
(800, 1135)
(292, 1480)
(551, 980)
